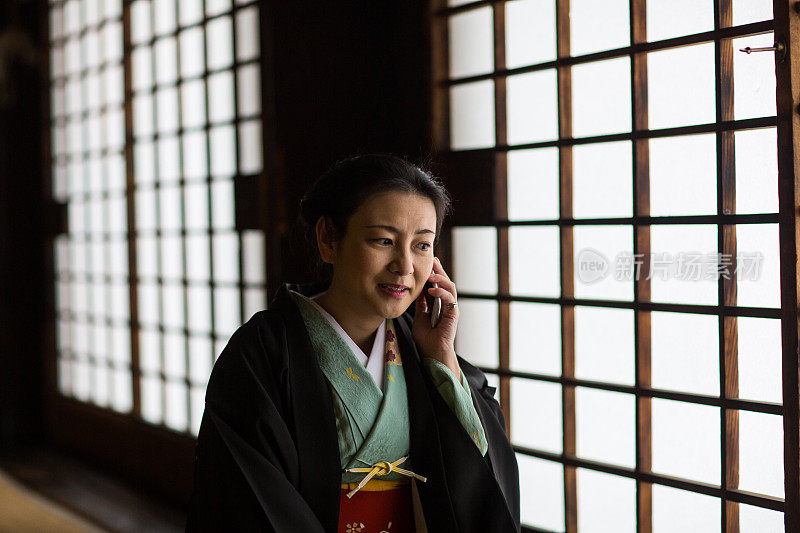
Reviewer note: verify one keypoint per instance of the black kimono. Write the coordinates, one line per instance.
(267, 455)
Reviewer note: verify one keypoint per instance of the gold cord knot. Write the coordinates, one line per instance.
(384, 468)
(381, 469)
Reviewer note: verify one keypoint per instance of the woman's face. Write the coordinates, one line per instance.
(388, 245)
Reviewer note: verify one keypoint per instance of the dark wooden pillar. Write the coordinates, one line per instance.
(23, 297)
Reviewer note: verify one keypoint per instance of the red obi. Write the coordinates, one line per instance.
(372, 510)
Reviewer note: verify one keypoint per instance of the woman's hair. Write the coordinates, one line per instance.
(340, 191)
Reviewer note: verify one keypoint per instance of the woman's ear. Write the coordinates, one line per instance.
(326, 241)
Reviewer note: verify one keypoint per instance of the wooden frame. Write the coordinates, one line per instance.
(787, 31)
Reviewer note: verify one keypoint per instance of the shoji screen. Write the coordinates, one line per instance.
(627, 297)
(156, 115)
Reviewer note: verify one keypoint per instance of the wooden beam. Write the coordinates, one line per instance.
(564, 74)
(787, 31)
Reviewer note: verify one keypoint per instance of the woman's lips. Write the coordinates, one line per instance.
(392, 290)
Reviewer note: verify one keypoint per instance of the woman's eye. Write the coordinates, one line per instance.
(426, 246)
(383, 241)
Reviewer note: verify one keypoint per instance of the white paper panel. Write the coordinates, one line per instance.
(81, 385)
(759, 354)
(534, 260)
(113, 8)
(164, 20)
(227, 311)
(761, 453)
(115, 172)
(680, 86)
(189, 12)
(680, 510)
(226, 257)
(195, 198)
(756, 170)
(535, 337)
(120, 302)
(176, 416)
(605, 503)
(536, 415)
(541, 493)
(683, 175)
(219, 42)
(99, 383)
(169, 168)
(597, 26)
(253, 256)
(171, 257)
(65, 376)
(686, 440)
(145, 209)
(223, 155)
(595, 246)
(471, 42)
(758, 280)
(255, 300)
(602, 176)
(80, 336)
(222, 204)
(605, 427)
(144, 162)
(673, 18)
(604, 345)
(477, 336)
(250, 147)
(195, 157)
(140, 21)
(475, 259)
(247, 34)
(215, 7)
(99, 337)
(248, 88)
(169, 207)
(753, 78)
(601, 97)
(193, 101)
(532, 107)
(191, 46)
(530, 32)
(472, 115)
(199, 298)
(197, 258)
(118, 258)
(174, 355)
(220, 97)
(685, 352)
(166, 53)
(122, 391)
(149, 350)
(757, 520)
(173, 307)
(152, 392)
(747, 11)
(533, 184)
(117, 211)
(167, 109)
(121, 345)
(146, 256)
(695, 242)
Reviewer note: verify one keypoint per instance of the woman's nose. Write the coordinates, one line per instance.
(402, 264)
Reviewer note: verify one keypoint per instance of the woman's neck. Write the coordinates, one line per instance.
(361, 330)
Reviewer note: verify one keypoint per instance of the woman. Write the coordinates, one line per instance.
(336, 409)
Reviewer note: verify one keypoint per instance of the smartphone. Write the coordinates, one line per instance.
(434, 304)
